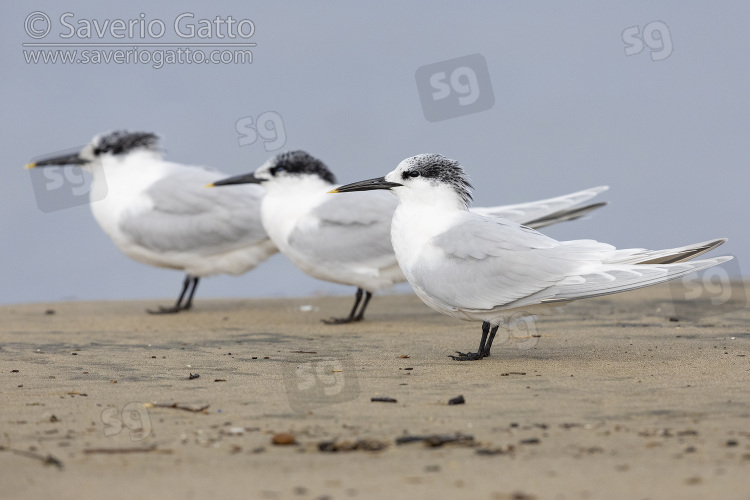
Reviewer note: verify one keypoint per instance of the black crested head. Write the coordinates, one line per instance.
(440, 169)
(123, 141)
(300, 162)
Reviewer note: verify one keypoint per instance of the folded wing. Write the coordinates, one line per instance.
(179, 214)
(491, 264)
(349, 230)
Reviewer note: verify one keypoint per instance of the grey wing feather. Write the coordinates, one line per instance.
(564, 215)
(542, 213)
(179, 213)
(492, 262)
(349, 229)
(669, 256)
(614, 279)
(502, 266)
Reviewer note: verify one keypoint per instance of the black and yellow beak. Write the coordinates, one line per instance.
(368, 185)
(66, 159)
(238, 179)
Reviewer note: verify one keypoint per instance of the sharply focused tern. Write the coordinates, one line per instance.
(476, 268)
(346, 239)
(159, 213)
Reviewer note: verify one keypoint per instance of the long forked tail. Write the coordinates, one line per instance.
(541, 213)
(615, 278)
(669, 256)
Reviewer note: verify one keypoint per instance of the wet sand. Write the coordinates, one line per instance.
(609, 399)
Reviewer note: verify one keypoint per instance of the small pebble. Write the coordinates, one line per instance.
(283, 439)
(458, 400)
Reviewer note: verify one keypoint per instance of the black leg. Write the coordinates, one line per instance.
(178, 307)
(351, 318)
(361, 315)
(488, 346)
(189, 302)
(474, 356)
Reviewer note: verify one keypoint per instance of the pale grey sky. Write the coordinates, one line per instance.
(667, 128)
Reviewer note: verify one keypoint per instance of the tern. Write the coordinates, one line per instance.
(477, 268)
(346, 239)
(158, 212)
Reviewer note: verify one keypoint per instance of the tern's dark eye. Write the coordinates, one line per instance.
(276, 170)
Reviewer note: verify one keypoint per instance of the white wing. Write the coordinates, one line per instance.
(491, 264)
(617, 278)
(542, 213)
(349, 231)
(179, 214)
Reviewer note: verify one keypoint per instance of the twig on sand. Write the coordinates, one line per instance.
(437, 440)
(178, 406)
(114, 451)
(383, 399)
(117, 451)
(48, 460)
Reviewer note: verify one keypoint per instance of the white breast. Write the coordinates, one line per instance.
(285, 206)
(117, 185)
(412, 233)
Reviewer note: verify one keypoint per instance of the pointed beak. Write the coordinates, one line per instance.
(238, 179)
(66, 159)
(368, 185)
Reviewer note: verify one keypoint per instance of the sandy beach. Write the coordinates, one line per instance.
(616, 397)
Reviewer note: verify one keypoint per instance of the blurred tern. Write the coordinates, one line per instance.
(477, 268)
(346, 239)
(159, 212)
